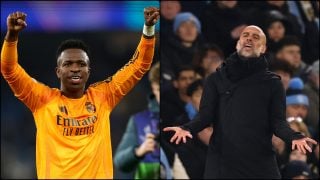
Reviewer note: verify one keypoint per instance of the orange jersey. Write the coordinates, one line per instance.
(73, 135)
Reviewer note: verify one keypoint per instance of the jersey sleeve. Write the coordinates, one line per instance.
(32, 93)
(117, 86)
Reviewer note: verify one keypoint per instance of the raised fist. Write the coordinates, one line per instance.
(151, 15)
(16, 21)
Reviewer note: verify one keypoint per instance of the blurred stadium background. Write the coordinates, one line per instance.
(112, 31)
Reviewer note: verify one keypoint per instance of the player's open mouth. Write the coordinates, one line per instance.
(75, 79)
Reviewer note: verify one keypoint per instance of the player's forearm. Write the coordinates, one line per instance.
(126, 78)
(9, 56)
(145, 51)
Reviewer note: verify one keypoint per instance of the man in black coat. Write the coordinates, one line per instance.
(246, 105)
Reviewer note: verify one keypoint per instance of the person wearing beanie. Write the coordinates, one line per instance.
(296, 101)
(272, 17)
(294, 94)
(178, 50)
(245, 103)
(276, 27)
(184, 17)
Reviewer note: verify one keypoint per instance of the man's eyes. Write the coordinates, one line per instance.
(82, 64)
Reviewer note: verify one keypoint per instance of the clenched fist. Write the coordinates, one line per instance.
(151, 15)
(16, 21)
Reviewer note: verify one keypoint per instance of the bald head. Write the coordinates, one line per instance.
(252, 42)
(263, 36)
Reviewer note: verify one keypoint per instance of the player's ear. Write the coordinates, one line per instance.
(58, 72)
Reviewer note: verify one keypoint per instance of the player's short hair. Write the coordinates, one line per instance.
(72, 44)
(154, 73)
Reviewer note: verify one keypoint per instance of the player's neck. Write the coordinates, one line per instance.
(72, 94)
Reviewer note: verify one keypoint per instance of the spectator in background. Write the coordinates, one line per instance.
(289, 49)
(311, 89)
(139, 149)
(276, 27)
(173, 101)
(283, 69)
(179, 50)
(307, 14)
(207, 59)
(168, 11)
(296, 170)
(265, 8)
(222, 23)
(193, 153)
(297, 124)
(295, 155)
(297, 102)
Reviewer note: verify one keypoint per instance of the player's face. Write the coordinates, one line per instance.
(73, 69)
(252, 42)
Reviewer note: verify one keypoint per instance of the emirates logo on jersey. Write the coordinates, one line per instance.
(91, 108)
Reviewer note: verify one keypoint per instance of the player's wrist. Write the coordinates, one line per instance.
(148, 30)
(11, 36)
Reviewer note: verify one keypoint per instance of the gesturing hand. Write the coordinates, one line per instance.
(302, 144)
(179, 134)
(151, 15)
(16, 21)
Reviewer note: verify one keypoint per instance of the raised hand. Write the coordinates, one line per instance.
(302, 144)
(151, 15)
(16, 22)
(180, 134)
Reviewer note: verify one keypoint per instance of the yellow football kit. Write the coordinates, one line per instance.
(73, 135)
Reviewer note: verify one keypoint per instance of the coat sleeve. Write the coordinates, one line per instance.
(125, 158)
(278, 114)
(208, 108)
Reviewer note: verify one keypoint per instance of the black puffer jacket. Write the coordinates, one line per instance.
(246, 104)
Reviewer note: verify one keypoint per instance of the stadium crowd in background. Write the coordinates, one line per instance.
(292, 31)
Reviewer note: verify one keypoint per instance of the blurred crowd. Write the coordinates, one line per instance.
(198, 36)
